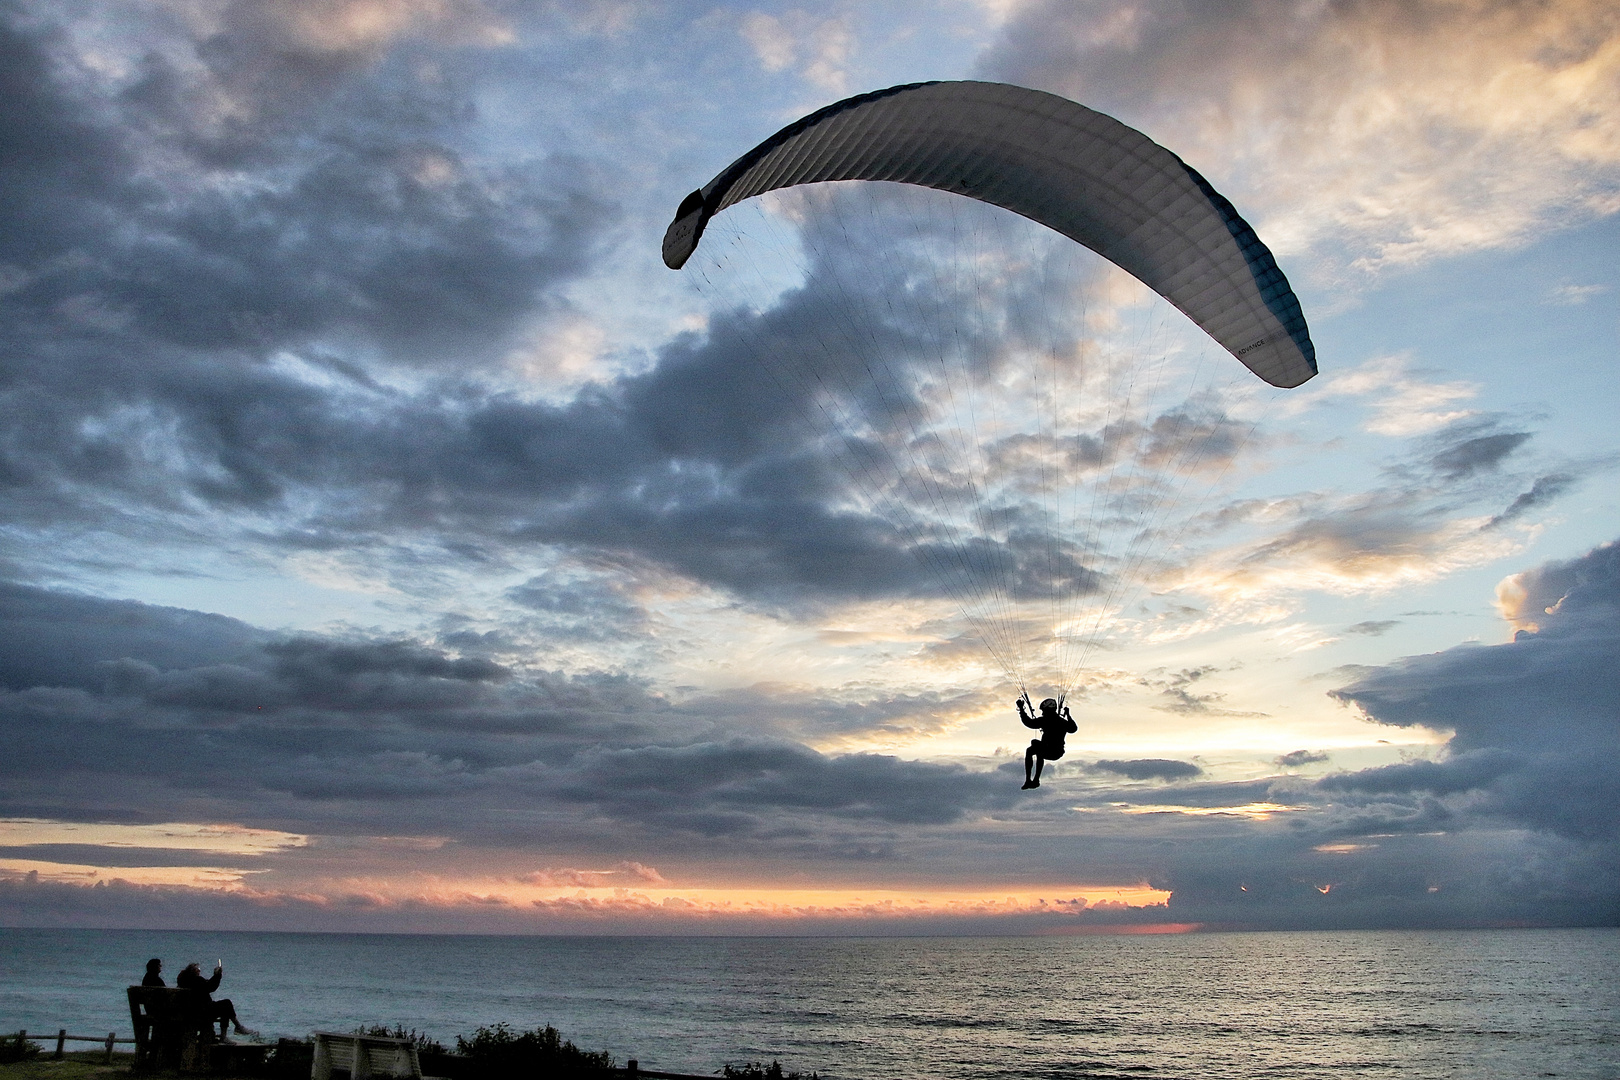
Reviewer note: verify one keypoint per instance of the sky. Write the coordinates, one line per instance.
(391, 542)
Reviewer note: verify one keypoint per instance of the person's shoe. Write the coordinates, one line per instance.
(1029, 784)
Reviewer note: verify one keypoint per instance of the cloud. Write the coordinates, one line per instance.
(1465, 772)
(625, 873)
(313, 325)
(1427, 519)
(1570, 295)
(1479, 454)
(1373, 627)
(37, 900)
(1149, 769)
(1506, 130)
(324, 290)
(310, 279)
(1513, 821)
(1543, 491)
(191, 282)
(1404, 402)
(388, 736)
(1180, 697)
(1531, 719)
(373, 737)
(58, 638)
(1574, 596)
(819, 47)
(720, 788)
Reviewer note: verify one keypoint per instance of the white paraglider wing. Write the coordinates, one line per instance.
(1074, 170)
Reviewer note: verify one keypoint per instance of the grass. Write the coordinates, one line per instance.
(75, 1065)
(82, 1065)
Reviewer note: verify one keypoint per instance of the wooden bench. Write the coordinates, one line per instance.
(364, 1055)
(173, 1028)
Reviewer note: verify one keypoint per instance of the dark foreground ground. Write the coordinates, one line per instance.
(93, 1065)
(75, 1065)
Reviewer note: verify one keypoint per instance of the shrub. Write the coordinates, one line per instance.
(501, 1052)
(423, 1044)
(753, 1070)
(14, 1049)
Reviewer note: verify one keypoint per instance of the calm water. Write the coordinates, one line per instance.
(1519, 1003)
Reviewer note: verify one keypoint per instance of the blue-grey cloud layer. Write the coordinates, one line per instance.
(183, 715)
(1517, 821)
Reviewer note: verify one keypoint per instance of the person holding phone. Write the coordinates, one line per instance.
(222, 1012)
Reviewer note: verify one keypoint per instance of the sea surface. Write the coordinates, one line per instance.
(1414, 1004)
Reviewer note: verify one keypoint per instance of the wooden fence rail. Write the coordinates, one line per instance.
(62, 1038)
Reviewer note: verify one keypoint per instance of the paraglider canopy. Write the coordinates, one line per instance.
(941, 353)
(1077, 171)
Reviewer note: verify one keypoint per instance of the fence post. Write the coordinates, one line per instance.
(61, 1037)
(630, 1067)
(111, 1038)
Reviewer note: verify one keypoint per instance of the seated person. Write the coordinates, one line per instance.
(154, 973)
(220, 1012)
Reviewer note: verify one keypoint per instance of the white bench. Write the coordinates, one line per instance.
(363, 1055)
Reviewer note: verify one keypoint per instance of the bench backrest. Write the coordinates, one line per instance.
(165, 1019)
(364, 1055)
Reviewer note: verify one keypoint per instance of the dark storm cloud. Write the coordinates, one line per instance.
(1469, 771)
(153, 270)
(60, 639)
(1149, 768)
(232, 269)
(161, 256)
(1533, 720)
(396, 736)
(1516, 820)
(1270, 878)
(725, 787)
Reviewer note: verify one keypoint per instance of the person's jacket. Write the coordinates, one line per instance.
(186, 980)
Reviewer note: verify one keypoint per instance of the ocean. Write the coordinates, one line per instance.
(1411, 1004)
